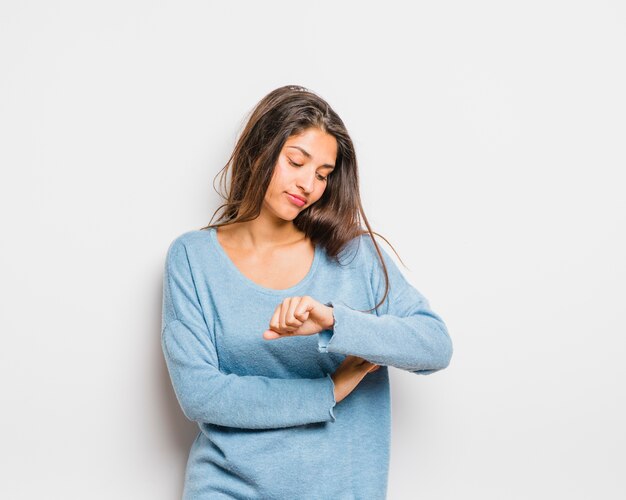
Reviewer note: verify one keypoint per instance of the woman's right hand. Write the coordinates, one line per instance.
(349, 374)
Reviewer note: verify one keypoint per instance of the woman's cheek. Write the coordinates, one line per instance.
(279, 172)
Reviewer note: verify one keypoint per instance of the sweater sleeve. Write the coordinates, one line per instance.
(405, 332)
(208, 395)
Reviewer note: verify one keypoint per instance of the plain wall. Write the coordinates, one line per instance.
(490, 138)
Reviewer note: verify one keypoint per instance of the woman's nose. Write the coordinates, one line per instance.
(306, 181)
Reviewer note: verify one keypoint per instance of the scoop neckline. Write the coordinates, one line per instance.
(252, 284)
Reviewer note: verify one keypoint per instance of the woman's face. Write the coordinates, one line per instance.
(303, 165)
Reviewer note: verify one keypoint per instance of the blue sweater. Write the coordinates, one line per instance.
(269, 425)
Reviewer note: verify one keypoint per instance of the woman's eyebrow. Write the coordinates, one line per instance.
(308, 155)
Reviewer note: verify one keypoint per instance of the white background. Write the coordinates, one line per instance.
(491, 143)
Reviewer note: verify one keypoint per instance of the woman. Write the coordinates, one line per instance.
(281, 319)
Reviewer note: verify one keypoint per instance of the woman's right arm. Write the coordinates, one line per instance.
(349, 374)
(208, 395)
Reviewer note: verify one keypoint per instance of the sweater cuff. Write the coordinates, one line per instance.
(325, 336)
(334, 401)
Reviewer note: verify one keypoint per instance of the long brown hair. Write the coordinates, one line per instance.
(333, 220)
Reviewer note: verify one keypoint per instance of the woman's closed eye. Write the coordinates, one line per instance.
(294, 164)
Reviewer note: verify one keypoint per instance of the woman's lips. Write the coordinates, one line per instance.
(295, 200)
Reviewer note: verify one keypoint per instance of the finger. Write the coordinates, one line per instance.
(290, 318)
(283, 326)
(304, 307)
(275, 321)
(271, 335)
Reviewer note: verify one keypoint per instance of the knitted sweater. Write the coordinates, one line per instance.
(269, 425)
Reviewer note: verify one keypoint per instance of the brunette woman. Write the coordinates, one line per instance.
(280, 320)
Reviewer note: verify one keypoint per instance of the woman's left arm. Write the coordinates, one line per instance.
(407, 333)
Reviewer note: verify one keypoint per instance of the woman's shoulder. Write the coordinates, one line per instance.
(189, 242)
(190, 237)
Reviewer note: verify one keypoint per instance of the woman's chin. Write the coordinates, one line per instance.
(284, 215)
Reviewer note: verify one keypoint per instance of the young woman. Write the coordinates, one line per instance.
(281, 319)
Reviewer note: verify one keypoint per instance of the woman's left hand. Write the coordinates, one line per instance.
(299, 316)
